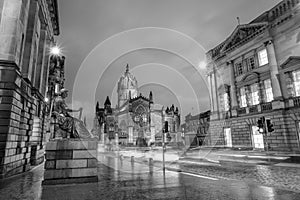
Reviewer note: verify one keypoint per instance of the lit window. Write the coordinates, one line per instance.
(263, 57)
(243, 99)
(296, 77)
(226, 102)
(268, 90)
(254, 94)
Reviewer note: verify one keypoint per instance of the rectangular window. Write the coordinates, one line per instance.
(268, 90)
(263, 57)
(226, 101)
(254, 94)
(243, 99)
(251, 63)
(296, 77)
(239, 68)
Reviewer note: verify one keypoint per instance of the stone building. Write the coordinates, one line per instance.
(255, 72)
(27, 28)
(196, 129)
(136, 120)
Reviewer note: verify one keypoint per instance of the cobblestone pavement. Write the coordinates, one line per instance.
(119, 179)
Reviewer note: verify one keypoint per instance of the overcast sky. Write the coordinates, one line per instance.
(91, 27)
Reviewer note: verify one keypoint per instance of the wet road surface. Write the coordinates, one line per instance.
(126, 180)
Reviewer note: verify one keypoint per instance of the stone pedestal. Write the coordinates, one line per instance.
(71, 161)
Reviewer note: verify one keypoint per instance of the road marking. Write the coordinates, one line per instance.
(199, 176)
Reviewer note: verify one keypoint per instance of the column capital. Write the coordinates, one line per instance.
(269, 42)
(229, 62)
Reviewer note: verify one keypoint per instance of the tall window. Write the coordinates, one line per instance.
(226, 101)
(268, 90)
(296, 77)
(254, 94)
(243, 98)
(239, 68)
(263, 57)
(251, 63)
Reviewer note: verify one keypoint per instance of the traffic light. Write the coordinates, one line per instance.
(270, 125)
(260, 124)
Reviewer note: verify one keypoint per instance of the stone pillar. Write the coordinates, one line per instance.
(273, 70)
(232, 86)
(261, 89)
(27, 67)
(38, 78)
(71, 161)
(10, 32)
(233, 94)
(210, 92)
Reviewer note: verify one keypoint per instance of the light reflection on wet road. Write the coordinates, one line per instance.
(125, 180)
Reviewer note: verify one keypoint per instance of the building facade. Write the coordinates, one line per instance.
(253, 73)
(28, 28)
(136, 120)
(196, 128)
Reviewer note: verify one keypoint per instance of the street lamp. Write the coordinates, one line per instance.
(55, 50)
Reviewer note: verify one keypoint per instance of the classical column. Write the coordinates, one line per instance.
(27, 66)
(210, 92)
(10, 33)
(273, 70)
(214, 91)
(261, 89)
(233, 100)
(38, 77)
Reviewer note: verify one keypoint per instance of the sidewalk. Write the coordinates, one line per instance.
(226, 156)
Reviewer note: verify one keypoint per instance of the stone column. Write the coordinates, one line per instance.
(214, 95)
(10, 30)
(210, 92)
(261, 90)
(273, 70)
(45, 74)
(233, 95)
(38, 77)
(27, 67)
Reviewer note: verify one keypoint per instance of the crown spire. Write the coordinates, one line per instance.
(127, 68)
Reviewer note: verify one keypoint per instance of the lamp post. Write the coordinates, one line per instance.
(163, 137)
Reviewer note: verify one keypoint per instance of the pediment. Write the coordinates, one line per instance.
(250, 77)
(241, 33)
(290, 62)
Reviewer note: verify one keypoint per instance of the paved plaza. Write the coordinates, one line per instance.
(123, 179)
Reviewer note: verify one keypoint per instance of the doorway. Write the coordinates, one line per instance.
(257, 138)
(227, 137)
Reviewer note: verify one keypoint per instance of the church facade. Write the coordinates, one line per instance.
(136, 120)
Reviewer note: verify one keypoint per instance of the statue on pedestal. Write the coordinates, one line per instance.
(67, 126)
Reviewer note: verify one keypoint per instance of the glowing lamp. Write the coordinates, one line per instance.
(55, 50)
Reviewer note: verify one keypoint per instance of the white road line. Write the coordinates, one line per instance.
(199, 176)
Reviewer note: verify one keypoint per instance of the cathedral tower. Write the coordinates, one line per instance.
(127, 87)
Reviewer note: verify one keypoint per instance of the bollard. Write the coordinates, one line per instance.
(132, 158)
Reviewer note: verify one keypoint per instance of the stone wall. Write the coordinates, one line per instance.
(20, 146)
(71, 161)
(284, 138)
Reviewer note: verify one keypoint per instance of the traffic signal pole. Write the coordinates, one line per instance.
(267, 142)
